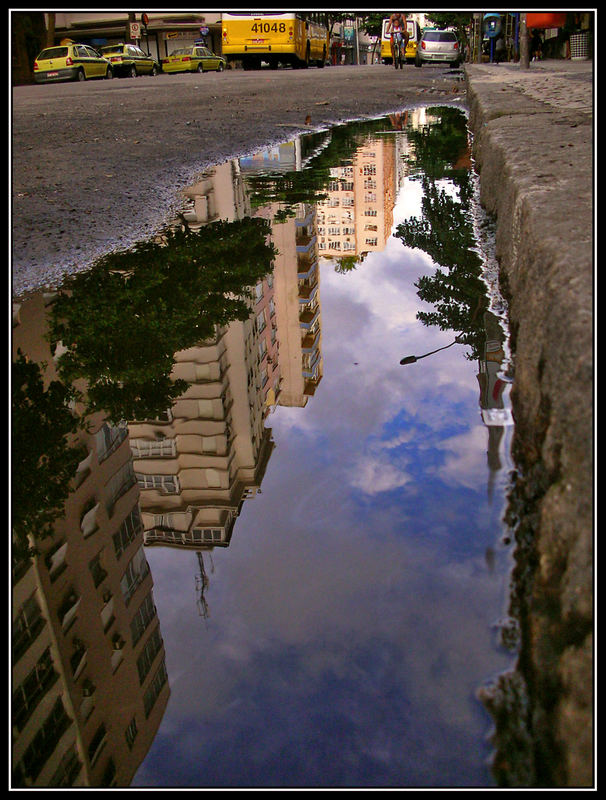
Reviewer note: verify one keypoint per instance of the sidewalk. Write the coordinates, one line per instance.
(559, 83)
(533, 147)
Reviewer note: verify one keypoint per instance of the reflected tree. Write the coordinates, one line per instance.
(45, 459)
(347, 264)
(123, 321)
(445, 231)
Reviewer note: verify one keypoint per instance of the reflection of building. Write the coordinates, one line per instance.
(295, 283)
(297, 303)
(495, 415)
(217, 194)
(196, 467)
(89, 680)
(357, 216)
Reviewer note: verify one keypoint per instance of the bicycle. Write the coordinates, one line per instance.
(398, 50)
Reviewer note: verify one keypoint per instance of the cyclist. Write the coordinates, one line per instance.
(398, 31)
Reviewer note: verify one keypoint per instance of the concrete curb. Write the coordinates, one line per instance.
(532, 143)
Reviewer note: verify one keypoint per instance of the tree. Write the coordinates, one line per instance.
(372, 25)
(459, 20)
(123, 321)
(445, 231)
(28, 32)
(44, 454)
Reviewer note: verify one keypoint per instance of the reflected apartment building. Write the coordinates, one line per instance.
(197, 465)
(89, 681)
(297, 305)
(296, 280)
(356, 218)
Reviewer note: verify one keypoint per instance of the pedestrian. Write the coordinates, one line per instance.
(535, 45)
(398, 31)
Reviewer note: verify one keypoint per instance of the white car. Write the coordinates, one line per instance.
(436, 45)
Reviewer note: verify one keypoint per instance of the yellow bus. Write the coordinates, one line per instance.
(414, 34)
(275, 38)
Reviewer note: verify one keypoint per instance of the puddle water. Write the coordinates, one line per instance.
(282, 560)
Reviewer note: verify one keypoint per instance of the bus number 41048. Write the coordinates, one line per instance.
(269, 27)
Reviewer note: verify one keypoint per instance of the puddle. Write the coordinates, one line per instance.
(281, 561)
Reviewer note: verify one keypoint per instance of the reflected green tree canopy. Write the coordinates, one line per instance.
(124, 320)
(445, 229)
(44, 459)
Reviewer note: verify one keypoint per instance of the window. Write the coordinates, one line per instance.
(134, 574)
(26, 627)
(119, 484)
(153, 448)
(109, 773)
(53, 52)
(148, 654)
(440, 36)
(130, 734)
(145, 614)
(151, 695)
(128, 531)
(167, 484)
(68, 769)
(97, 743)
(207, 535)
(32, 690)
(45, 740)
(108, 438)
(96, 570)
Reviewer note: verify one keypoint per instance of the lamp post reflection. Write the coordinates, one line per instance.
(412, 359)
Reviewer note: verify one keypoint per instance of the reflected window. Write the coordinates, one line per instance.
(145, 614)
(136, 571)
(68, 769)
(97, 743)
(26, 626)
(45, 741)
(131, 527)
(32, 690)
(97, 571)
(151, 695)
(130, 734)
(168, 484)
(153, 448)
(108, 438)
(148, 654)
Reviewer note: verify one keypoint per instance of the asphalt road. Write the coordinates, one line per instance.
(98, 165)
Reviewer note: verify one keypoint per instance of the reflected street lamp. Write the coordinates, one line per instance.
(412, 359)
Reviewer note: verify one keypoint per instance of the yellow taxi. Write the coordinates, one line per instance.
(193, 59)
(70, 62)
(130, 60)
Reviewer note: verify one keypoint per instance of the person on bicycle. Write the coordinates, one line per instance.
(398, 31)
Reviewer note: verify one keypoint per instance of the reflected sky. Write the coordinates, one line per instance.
(352, 619)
